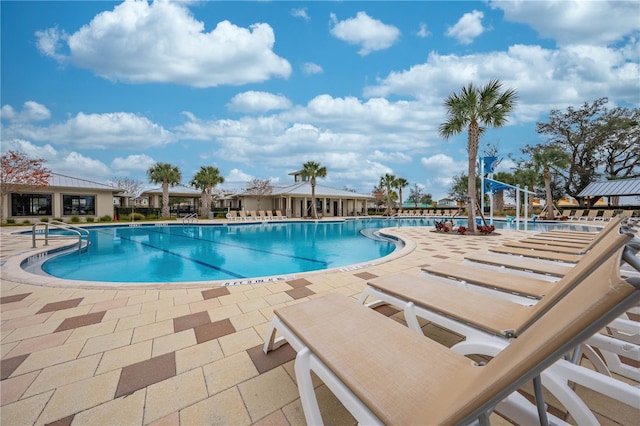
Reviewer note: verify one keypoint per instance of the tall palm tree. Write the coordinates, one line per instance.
(206, 179)
(475, 108)
(168, 175)
(388, 181)
(546, 158)
(313, 170)
(399, 184)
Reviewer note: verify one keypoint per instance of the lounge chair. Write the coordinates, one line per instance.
(242, 215)
(262, 215)
(591, 215)
(384, 373)
(253, 215)
(232, 215)
(606, 215)
(279, 215)
(576, 215)
(531, 266)
(270, 215)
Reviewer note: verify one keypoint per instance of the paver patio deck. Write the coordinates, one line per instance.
(184, 355)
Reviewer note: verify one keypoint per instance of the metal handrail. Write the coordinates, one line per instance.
(189, 217)
(79, 232)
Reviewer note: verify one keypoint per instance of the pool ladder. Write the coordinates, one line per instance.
(193, 217)
(81, 234)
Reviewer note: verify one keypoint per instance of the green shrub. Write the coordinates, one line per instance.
(11, 221)
(90, 219)
(75, 219)
(137, 216)
(44, 219)
(152, 216)
(124, 218)
(59, 219)
(26, 222)
(106, 218)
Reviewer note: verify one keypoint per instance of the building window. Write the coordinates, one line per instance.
(78, 205)
(30, 204)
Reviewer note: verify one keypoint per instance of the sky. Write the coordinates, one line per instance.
(107, 89)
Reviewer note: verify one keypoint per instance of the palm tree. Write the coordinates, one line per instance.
(206, 179)
(546, 158)
(388, 181)
(399, 184)
(167, 175)
(313, 170)
(475, 108)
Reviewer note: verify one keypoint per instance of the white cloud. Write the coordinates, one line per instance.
(78, 165)
(300, 13)
(575, 21)
(371, 34)
(253, 101)
(139, 162)
(467, 28)
(237, 176)
(423, 32)
(31, 112)
(162, 42)
(95, 131)
(46, 152)
(311, 68)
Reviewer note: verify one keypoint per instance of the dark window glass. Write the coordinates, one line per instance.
(78, 205)
(30, 204)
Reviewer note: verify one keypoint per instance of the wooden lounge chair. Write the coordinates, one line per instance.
(253, 215)
(262, 215)
(242, 215)
(384, 373)
(270, 215)
(279, 215)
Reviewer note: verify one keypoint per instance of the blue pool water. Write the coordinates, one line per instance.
(180, 253)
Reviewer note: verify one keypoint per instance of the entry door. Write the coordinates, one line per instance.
(335, 208)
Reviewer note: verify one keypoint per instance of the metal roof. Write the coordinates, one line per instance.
(303, 189)
(177, 190)
(612, 188)
(57, 180)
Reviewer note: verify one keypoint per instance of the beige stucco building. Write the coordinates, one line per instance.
(64, 197)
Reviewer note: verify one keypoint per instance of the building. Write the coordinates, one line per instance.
(295, 200)
(65, 196)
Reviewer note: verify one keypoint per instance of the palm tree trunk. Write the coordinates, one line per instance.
(313, 198)
(472, 147)
(550, 214)
(165, 199)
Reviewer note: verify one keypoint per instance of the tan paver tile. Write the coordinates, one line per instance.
(24, 411)
(173, 342)
(257, 292)
(151, 331)
(239, 341)
(48, 357)
(126, 355)
(133, 320)
(174, 394)
(23, 321)
(277, 299)
(224, 312)
(109, 304)
(93, 330)
(61, 374)
(28, 332)
(12, 389)
(227, 372)
(225, 408)
(253, 305)
(79, 396)
(39, 343)
(240, 322)
(232, 298)
(172, 419)
(120, 411)
(204, 305)
(198, 355)
(148, 296)
(107, 342)
(157, 305)
(277, 418)
(173, 312)
(259, 396)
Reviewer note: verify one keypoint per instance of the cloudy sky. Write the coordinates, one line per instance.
(105, 89)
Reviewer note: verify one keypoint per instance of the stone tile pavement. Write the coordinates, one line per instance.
(181, 355)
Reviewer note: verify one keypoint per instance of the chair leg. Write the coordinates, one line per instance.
(305, 387)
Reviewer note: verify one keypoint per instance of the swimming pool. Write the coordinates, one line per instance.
(186, 253)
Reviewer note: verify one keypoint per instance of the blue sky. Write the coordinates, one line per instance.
(106, 89)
